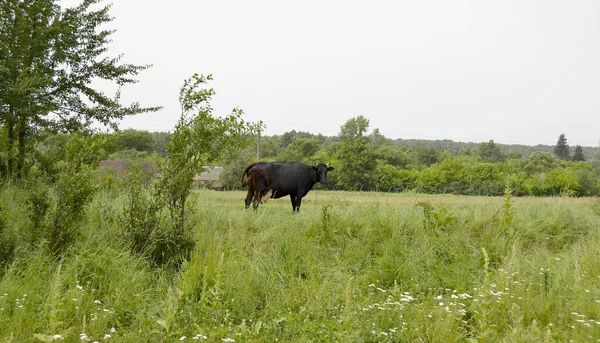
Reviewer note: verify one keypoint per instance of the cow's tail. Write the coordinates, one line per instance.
(246, 173)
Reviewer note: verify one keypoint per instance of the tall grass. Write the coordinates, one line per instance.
(350, 267)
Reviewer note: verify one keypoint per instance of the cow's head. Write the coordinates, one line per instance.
(321, 170)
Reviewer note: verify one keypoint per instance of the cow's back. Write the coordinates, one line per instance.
(289, 177)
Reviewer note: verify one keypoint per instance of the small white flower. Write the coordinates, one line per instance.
(79, 287)
(97, 302)
(113, 330)
(107, 336)
(227, 339)
(182, 338)
(57, 337)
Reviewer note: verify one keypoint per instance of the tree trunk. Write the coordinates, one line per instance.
(22, 132)
(11, 142)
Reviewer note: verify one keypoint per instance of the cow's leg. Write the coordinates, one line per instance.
(298, 202)
(251, 182)
(256, 200)
(293, 198)
(249, 195)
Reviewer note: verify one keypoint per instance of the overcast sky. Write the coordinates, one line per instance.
(513, 71)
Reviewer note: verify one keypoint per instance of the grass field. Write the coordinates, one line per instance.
(350, 267)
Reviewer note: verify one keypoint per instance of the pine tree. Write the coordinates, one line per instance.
(561, 150)
(578, 154)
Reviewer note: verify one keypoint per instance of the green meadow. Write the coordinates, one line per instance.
(350, 267)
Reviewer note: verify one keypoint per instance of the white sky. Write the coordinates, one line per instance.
(516, 71)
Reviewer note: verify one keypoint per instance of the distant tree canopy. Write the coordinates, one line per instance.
(135, 139)
(578, 154)
(490, 152)
(48, 59)
(561, 149)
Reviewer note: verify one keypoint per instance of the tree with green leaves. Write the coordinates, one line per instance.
(48, 59)
(561, 149)
(426, 156)
(135, 139)
(356, 156)
(199, 139)
(301, 150)
(578, 154)
(490, 152)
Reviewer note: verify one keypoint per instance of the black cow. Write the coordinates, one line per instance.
(278, 179)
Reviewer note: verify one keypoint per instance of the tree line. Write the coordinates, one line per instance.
(369, 161)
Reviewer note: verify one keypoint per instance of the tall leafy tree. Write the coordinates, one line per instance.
(578, 154)
(48, 59)
(490, 152)
(356, 156)
(561, 149)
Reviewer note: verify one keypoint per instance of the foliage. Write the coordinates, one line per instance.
(561, 149)
(199, 139)
(578, 154)
(435, 217)
(135, 139)
(301, 150)
(426, 156)
(490, 152)
(141, 216)
(48, 59)
(73, 191)
(234, 165)
(355, 156)
(540, 162)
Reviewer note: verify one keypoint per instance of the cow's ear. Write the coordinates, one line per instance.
(330, 168)
(315, 168)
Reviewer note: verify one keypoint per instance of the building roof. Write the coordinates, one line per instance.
(209, 174)
(119, 166)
